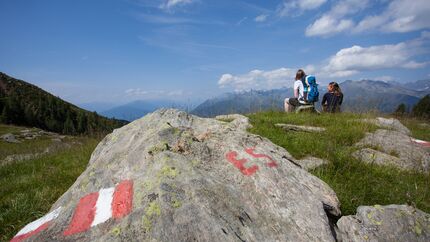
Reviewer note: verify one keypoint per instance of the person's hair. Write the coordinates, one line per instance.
(300, 74)
(336, 89)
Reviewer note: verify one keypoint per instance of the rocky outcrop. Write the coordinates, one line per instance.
(171, 176)
(302, 128)
(385, 223)
(400, 150)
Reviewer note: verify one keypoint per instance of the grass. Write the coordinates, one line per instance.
(354, 182)
(420, 128)
(29, 188)
(37, 145)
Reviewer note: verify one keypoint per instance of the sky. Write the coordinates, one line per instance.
(116, 51)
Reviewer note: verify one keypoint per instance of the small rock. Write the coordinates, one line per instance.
(389, 123)
(10, 138)
(385, 223)
(309, 163)
(292, 127)
(372, 156)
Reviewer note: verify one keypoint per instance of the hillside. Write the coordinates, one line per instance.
(359, 96)
(22, 103)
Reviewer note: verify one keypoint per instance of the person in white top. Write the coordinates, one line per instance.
(290, 104)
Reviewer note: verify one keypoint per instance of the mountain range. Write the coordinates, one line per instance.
(137, 109)
(359, 96)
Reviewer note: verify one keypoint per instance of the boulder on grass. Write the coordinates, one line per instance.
(171, 176)
(410, 154)
(385, 223)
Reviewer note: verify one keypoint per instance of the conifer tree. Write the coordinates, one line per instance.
(422, 108)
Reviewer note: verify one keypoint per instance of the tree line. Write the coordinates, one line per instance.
(419, 110)
(27, 105)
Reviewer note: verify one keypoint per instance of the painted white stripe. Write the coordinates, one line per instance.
(420, 141)
(36, 224)
(103, 206)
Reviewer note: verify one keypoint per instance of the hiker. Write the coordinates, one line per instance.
(290, 104)
(333, 99)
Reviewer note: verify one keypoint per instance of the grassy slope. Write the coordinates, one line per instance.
(29, 188)
(354, 182)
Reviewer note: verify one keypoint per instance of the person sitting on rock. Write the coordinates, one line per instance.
(290, 104)
(333, 99)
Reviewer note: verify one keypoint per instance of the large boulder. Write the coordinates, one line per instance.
(385, 223)
(171, 176)
(394, 148)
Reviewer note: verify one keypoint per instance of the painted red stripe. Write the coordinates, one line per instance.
(84, 214)
(29, 234)
(272, 162)
(240, 164)
(122, 201)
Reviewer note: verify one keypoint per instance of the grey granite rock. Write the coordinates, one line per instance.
(372, 156)
(410, 154)
(390, 123)
(309, 163)
(303, 128)
(385, 223)
(197, 179)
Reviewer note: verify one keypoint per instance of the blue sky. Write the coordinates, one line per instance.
(122, 50)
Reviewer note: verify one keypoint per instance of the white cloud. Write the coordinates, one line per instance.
(241, 21)
(261, 18)
(327, 25)
(400, 16)
(335, 21)
(350, 61)
(345, 63)
(297, 7)
(169, 4)
(258, 79)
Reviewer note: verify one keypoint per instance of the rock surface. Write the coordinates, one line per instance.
(309, 163)
(389, 123)
(411, 155)
(10, 138)
(171, 176)
(385, 223)
(372, 156)
(292, 127)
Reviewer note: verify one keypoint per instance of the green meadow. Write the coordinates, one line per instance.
(28, 188)
(354, 182)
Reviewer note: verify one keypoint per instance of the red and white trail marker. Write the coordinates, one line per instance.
(98, 207)
(421, 142)
(36, 226)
